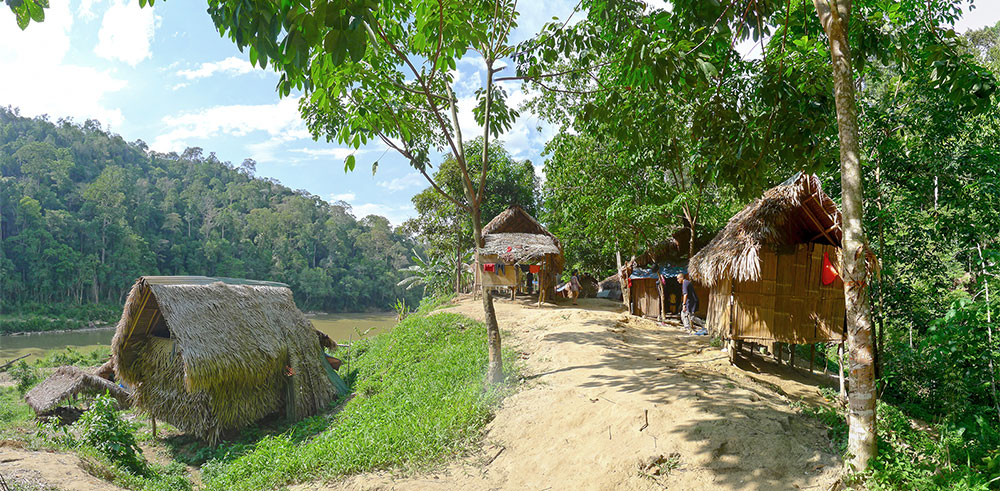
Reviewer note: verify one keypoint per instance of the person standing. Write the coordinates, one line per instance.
(574, 286)
(689, 300)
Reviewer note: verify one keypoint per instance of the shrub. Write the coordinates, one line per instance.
(26, 376)
(103, 429)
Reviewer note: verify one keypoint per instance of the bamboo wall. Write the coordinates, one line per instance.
(646, 297)
(789, 304)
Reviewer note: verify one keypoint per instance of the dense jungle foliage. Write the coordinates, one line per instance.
(83, 213)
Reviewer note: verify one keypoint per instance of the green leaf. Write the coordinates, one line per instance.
(374, 167)
(349, 163)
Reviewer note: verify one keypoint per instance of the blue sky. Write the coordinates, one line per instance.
(165, 76)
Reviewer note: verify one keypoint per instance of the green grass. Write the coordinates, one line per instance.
(70, 356)
(420, 399)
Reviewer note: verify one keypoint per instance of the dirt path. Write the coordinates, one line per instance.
(47, 470)
(616, 402)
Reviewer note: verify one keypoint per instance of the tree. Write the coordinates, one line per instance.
(861, 417)
(380, 72)
(445, 227)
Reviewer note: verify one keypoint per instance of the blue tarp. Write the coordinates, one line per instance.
(669, 271)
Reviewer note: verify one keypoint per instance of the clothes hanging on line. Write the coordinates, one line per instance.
(489, 267)
(534, 268)
(501, 270)
(524, 268)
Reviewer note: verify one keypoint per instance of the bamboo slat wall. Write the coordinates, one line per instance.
(508, 278)
(789, 304)
(645, 297)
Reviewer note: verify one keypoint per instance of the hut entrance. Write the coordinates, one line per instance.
(150, 321)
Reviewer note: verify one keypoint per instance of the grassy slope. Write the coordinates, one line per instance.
(420, 398)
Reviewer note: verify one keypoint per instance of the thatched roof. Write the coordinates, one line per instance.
(517, 237)
(67, 382)
(208, 354)
(519, 247)
(794, 212)
(515, 219)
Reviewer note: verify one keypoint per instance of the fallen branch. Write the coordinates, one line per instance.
(645, 425)
(10, 363)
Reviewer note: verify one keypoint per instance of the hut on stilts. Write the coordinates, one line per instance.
(772, 271)
(512, 240)
(212, 355)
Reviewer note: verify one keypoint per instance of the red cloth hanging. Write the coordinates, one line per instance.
(489, 267)
(534, 268)
(630, 282)
(830, 273)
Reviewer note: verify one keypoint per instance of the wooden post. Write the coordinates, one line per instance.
(290, 397)
(732, 351)
(840, 365)
(812, 357)
(791, 355)
(152, 420)
(776, 348)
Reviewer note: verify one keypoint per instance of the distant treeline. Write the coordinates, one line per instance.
(83, 213)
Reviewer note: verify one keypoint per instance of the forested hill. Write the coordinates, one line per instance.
(83, 213)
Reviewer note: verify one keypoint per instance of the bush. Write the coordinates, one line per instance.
(26, 376)
(70, 356)
(103, 430)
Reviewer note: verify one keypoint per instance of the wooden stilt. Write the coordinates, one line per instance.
(777, 352)
(840, 364)
(791, 355)
(812, 357)
(732, 351)
(152, 420)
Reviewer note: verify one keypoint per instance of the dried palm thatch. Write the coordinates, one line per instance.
(794, 212)
(67, 382)
(516, 237)
(209, 354)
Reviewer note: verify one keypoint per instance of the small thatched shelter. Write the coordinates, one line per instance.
(764, 268)
(67, 382)
(654, 291)
(210, 355)
(610, 288)
(514, 238)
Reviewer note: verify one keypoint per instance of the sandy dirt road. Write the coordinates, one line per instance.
(616, 402)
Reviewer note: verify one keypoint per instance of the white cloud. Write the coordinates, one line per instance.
(411, 180)
(230, 66)
(339, 153)
(348, 197)
(37, 79)
(395, 214)
(280, 121)
(179, 86)
(126, 32)
(85, 10)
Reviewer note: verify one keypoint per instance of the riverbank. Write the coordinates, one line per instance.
(418, 399)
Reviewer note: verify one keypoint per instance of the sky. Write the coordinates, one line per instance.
(163, 75)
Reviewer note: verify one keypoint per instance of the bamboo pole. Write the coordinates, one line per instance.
(840, 367)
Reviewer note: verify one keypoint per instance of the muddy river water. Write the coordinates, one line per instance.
(341, 327)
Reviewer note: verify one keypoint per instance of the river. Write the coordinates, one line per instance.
(343, 328)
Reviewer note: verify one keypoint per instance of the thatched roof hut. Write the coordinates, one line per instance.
(513, 238)
(764, 268)
(67, 382)
(796, 211)
(210, 355)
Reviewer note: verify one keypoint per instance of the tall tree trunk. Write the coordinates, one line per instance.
(834, 17)
(880, 340)
(989, 334)
(494, 372)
